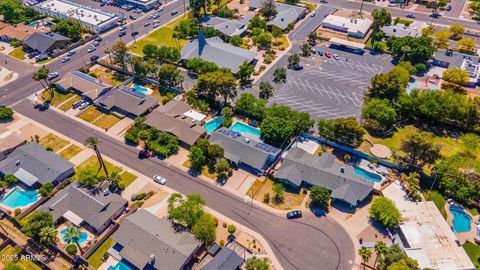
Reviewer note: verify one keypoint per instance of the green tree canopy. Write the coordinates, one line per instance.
(6, 113)
(196, 157)
(187, 211)
(457, 31)
(280, 75)
(255, 263)
(380, 111)
(266, 90)
(268, 9)
(204, 229)
(69, 28)
(456, 75)
(385, 211)
(388, 85)
(248, 105)
(36, 222)
(420, 149)
(415, 50)
(87, 176)
(320, 197)
(217, 83)
(245, 71)
(345, 131)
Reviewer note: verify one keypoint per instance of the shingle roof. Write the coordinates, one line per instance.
(299, 166)
(33, 158)
(286, 13)
(129, 100)
(84, 84)
(238, 150)
(144, 236)
(226, 259)
(216, 51)
(94, 207)
(228, 27)
(45, 42)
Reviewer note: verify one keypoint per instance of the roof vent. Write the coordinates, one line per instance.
(17, 162)
(342, 169)
(152, 259)
(247, 140)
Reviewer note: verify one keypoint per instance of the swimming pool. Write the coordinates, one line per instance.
(83, 236)
(122, 265)
(20, 198)
(461, 220)
(141, 89)
(245, 128)
(368, 175)
(213, 124)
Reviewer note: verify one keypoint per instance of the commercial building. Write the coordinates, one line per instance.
(82, 84)
(356, 28)
(286, 14)
(46, 42)
(95, 19)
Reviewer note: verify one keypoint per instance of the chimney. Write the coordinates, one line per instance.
(342, 169)
(201, 42)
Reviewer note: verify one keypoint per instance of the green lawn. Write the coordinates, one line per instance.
(98, 118)
(68, 104)
(127, 178)
(106, 121)
(70, 151)
(473, 251)
(58, 97)
(53, 142)
(160, 37)
(404, 21)
(9, 251)
(439, 201)
(96, 259)
(90, 114)
(18, 53)
(93, 162)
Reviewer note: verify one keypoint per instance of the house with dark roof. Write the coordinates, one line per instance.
(82, 84)
(230, 257)
(240, 150)
(127, 101)
(46, 42)
(86, 207)
(228, 27)
(149, 242)
(300, 168)
(286, 14)
(453, 59)
(175, 118)
(35, 166)
(215, 50)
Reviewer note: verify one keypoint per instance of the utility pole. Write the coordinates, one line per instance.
(361, 8)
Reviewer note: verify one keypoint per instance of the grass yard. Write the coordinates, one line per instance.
(205, 171)
(96, 259)
(53, 142)
(439, 201)
(291, 198)
(91, 114)
(106, 121)
(98, 118)
(93, 162)
(18, 53)
(58, 97)
(9, 252)
(127, 178)
(473, 251)
(67, 105)
(70, 151)
(160, 37)
(403, 21)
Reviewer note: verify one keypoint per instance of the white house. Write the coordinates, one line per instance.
(357, 28)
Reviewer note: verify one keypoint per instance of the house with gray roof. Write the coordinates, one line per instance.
(35, 166)
(82, 84)
(46, 42)
(149, 242)
(86, 207)
(215, 50)
(453, 59)
(230, 257)
(228, 27)
(127, 101)
(240, 150)
(286, 14)
(300, 168)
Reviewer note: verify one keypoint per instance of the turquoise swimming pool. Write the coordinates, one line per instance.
(140, 88)
(20, 198)
(122, 265)
(368, 175)
(245, 128)
(83, 236)
(461, 220)
(213, 124)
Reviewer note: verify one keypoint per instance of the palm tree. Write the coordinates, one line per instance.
(92, 143)
(73, 235)
(365, 253)
(48, 235)
(412, 182)
(114, 178)
(41, 75)
(380, 248)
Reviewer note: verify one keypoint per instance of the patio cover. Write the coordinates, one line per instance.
(72, 217)
(195, 115)
(347, 43)
(26, 177)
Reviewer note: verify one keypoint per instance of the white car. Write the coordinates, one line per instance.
(65, 59)
(159, 179)
(52, 75)
(313, 14)
(91, 49)
(336, 57)
(70, 53)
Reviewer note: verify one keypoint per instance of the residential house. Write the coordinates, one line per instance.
(35, 166)
(149, 242)
(228, 27)
(215, 50)
(127, 101)
(356, 28)
(46, 42)
(300, 168)
(242, 151)
(453, 59)
(16, 32)
(9, 141)
(82, 84)
(400, 30)
(230, 257)
(178, 118)
(86, 207)
(286, 14)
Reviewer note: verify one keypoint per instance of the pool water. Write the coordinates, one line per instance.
(140, 88)
(245, 128)
(83, 236)
(461, 220)
(213, 124)
(20, 198)
(122, 265)
(368, 175)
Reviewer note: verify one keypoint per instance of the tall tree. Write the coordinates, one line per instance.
(380, 249)
(72, 235)
(268, 9)
(48, 235)
(36, 222)
(266, 90)
(457, 31)
(244, 72)
(411, 181)
(456, 75)
(220, 82)
(320, 197)
(420, 149)
(41, 75)
(467, 44)
(442, 37)
(92, 143)
(381, 17)
(384, 211)
(365, 253)
(119, 51)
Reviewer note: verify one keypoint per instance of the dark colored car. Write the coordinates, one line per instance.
(320, 52)
(294, 214)
(297, 67)
(144, 154)
(98, 39)
(174, 12)
(435, 15)
(94, 58)
(134, 33)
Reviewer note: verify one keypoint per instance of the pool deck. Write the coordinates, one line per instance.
(462, 236)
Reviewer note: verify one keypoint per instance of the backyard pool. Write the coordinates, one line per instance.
(213, 124)
(245, 128)
(368, 175)
(83, 236)
(121, 265)
(141, 89)
(20, 198)
(461, 220)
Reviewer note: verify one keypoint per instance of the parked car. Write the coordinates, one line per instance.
(336, 57)
(66, 59)
(449, 8)
(435, 15)
(297, 67)
(52, 75)
(146, 24)
(328, 55)
(122, 33)
(95, 43)
(313, 50)
(77, 103)
(174, 12)
(144, 153)
(150, 17)
(160, 9)
(70, 53)
(313, 14)
(84, 105)
(133, 17)
(320, 52)
(98, 39)
(155, 25)
(294, 214)
(411, 16)
(123, 28)
(94, 58)
(134, 33)
(159, 179)
(91, 49)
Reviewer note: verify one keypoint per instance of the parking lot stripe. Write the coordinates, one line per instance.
(305, 106)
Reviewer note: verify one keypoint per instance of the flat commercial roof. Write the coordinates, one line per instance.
(428, 236)
(347, 43)
(77, 12)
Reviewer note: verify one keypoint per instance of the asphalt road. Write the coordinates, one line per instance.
(303, 244)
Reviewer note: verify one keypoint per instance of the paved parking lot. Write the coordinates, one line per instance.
(329, 88)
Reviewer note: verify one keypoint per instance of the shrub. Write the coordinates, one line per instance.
(6, 113)
(222, 243)
(92, 74)
(266, 197)
(121, 186)
(49, 149)
(45, 189)
(385, 211)
(231, 229)
(140, 196)
(224, 225)
(105, 256)
(71, 249)
(17, 211)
